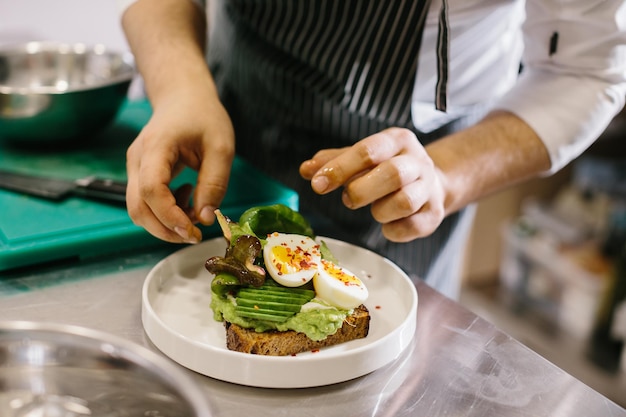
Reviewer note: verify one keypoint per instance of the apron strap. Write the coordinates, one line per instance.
(443, 52)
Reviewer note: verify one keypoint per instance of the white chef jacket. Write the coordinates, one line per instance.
(568, 97)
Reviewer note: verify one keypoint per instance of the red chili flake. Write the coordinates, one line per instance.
(378, 307)
(315, 351)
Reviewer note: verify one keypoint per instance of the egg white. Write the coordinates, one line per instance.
(338, 286)
(291, 259)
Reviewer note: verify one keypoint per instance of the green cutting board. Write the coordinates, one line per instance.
(35, 231)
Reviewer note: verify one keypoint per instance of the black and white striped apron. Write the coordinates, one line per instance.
(298, 76)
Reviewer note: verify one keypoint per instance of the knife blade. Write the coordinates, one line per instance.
(58, 189)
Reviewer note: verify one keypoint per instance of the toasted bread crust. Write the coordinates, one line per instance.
(274, 343)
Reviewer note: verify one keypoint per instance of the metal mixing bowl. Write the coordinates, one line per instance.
(60, 92)
(60, 370)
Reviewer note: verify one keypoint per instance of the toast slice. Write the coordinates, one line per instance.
(275, 343)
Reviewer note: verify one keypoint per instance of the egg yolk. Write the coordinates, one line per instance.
(288, 260)
(340, 275)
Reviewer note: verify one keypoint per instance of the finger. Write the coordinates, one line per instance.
(386, 178)
(421, 224)
(138, 210)
(362, 156)
(175, 225)
(157, 229)
(141, 215)
(213, 177)
(309, 167)
(154, 176)
(403, 203)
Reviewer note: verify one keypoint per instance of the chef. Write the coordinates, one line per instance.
(390, 118)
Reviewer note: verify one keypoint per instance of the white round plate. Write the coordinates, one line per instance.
(178, 319)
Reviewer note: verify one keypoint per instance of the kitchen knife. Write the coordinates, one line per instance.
(58, 189)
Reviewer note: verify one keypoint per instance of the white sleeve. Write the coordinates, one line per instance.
(574, 78)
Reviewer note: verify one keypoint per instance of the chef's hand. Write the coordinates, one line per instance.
(189, 131)
(392, 172)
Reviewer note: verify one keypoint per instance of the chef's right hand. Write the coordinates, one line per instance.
(186, 130)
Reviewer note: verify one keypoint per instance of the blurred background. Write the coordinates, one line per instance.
(88, 21)
(546, 260)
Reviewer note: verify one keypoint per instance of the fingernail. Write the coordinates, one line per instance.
(319, 183)
(207, 215)
(182, 233)
(346, 200)
(196, 237)
(186, 235)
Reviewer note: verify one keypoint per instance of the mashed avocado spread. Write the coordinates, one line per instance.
(316, 323)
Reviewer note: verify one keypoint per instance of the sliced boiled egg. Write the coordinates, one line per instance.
(338, 286)
(291, 259)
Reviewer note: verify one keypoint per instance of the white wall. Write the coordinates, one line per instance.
(87, 21)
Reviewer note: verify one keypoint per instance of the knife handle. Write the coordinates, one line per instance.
(103, 189)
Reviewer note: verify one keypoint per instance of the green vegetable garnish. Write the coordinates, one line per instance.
(264, 220)
(242, 294)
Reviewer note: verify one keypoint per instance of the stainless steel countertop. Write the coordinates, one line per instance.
(459, 364)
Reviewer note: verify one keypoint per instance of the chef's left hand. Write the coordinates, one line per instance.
(392, 172)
